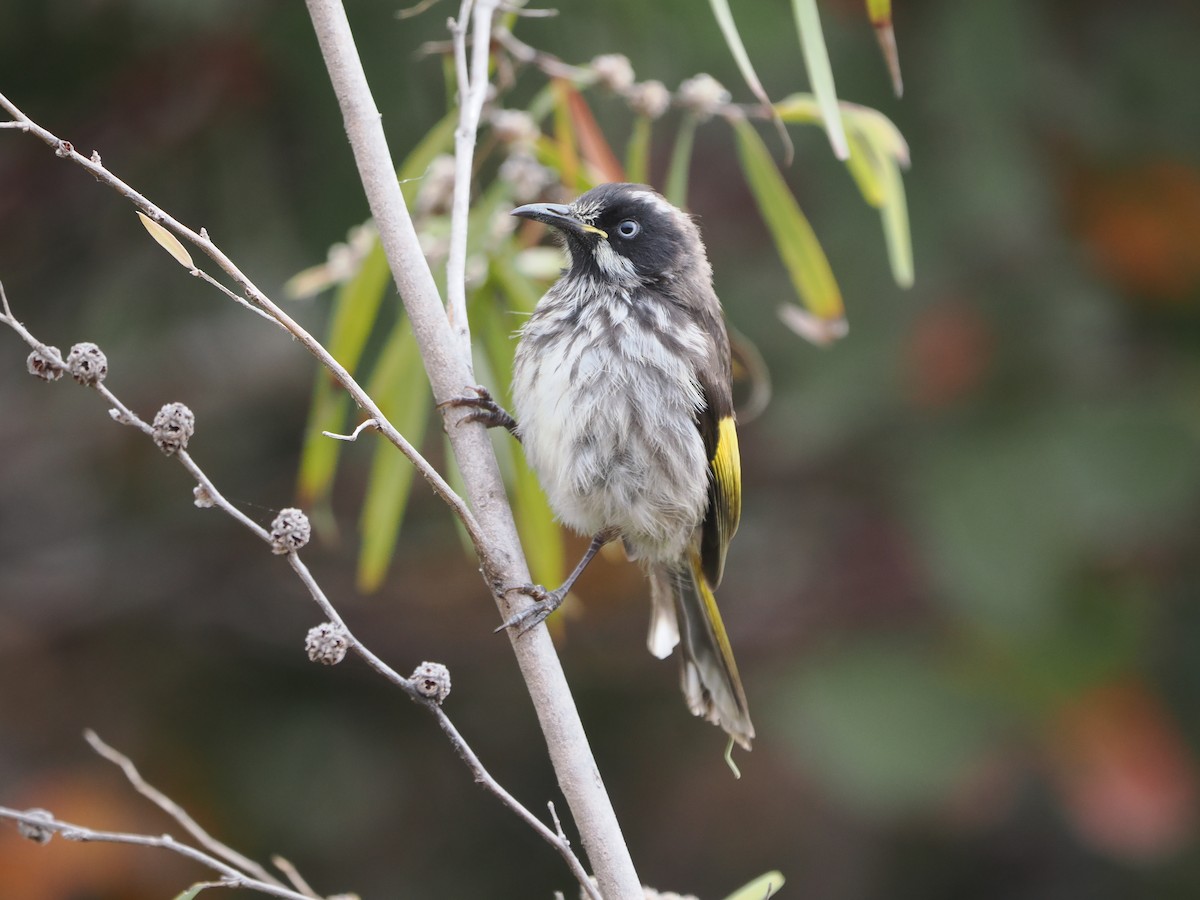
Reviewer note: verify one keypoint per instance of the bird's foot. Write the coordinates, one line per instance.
(483, 409)
(545, 602)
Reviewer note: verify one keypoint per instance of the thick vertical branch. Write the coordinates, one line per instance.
(450, 374)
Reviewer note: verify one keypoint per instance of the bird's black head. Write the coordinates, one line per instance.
(625, 234)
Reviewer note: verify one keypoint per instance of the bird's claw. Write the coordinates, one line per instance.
(483, 408)
(545, 602)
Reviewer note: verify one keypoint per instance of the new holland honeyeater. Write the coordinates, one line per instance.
(623, 403)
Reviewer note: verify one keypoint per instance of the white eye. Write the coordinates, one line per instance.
(629, 228)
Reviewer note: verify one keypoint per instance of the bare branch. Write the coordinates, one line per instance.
(352, 436)
(416, 9)
(548, 63)
(65, 150)
(204, 276)
(489, 521)
(121, 413)
(231, 877)
(175, 811)
(285, 866)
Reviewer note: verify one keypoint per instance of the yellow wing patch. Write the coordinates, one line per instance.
(726, 510)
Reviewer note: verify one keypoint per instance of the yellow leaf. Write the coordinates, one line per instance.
(167, 241)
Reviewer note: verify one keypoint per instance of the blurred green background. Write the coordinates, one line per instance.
(964, 593)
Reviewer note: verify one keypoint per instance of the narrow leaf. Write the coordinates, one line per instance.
(167, 241)
(895, 225)
(812, 328)
(193, 892)
(761, 888)
(355, 311)
(863, 167)
(805, 109)
(541, 537)
(877, 153)
(564, 135)
(880, 12)
(318, 459)
(356, 308)
(592, 144)
(549, 153)
(733, 39)
(794, 238)
(637, 153)
(401, 389)
(820, 73)
(681, 162)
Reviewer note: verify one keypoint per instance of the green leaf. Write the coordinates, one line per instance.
(355, 311)
(864, 170)
(540, 535)
(761, 888)
(550, 154)
(733, 39)
(401, 389)
(356, 308)
(681, 162)
(895, 224)
(798, 246)
(637, 154)
(193, 892)
(878, 177)
(542, 103)
(820, 73)
(877, 151)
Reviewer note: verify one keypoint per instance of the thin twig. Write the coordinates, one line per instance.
(526, 13)
(65, 150)
(124, 415)
(177, 812)
(284, 865)
(231, 877)
(548, 63)
(352, 436)
(472, 93)
(204, 276)
(415, 10)
(461, 747)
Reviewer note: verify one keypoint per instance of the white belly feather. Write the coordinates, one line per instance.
(607, 418)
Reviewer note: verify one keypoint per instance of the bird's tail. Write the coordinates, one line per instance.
(684, 611)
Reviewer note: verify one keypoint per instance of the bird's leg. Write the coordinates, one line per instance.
(546, 601)
(483, 409)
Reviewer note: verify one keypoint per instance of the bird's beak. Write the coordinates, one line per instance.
(557, 216)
